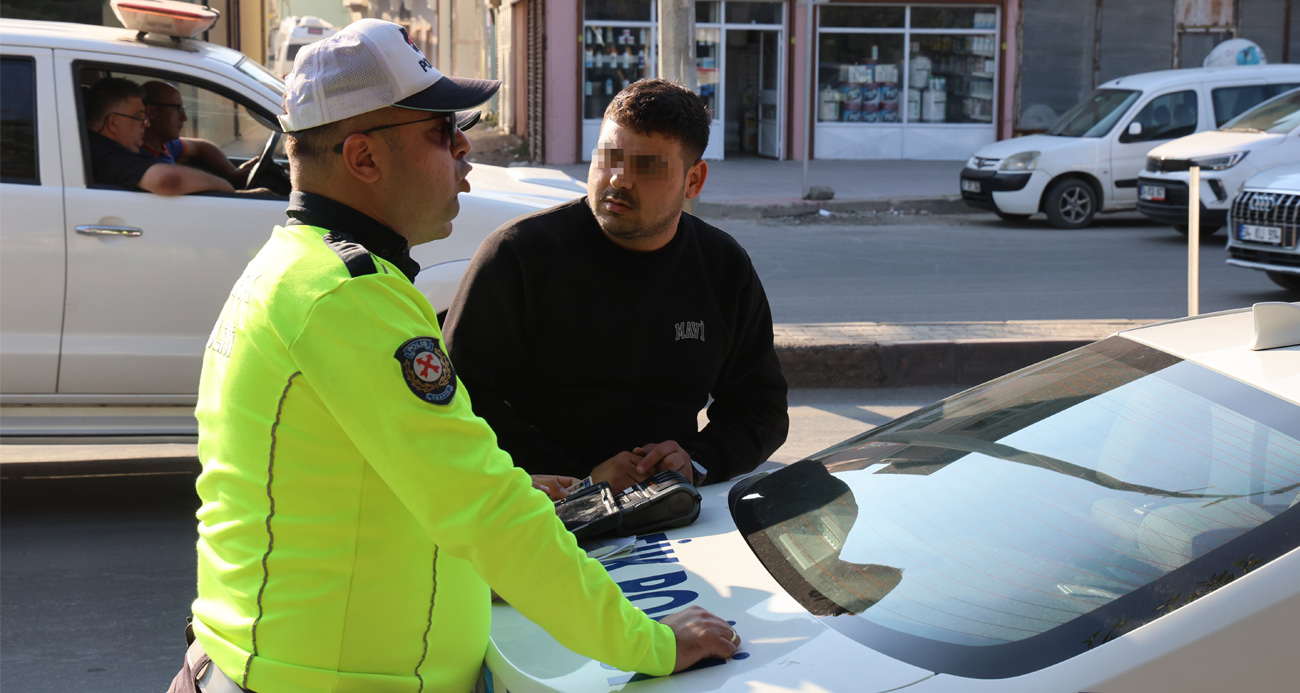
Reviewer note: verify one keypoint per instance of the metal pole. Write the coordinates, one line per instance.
(807, 93)
(1194, 241)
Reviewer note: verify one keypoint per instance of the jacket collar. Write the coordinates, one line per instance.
(312, 209)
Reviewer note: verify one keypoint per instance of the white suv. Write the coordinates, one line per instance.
(107, 295)
(1264, 226)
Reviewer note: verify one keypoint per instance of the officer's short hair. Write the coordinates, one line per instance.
(106, 94)
(660, 107)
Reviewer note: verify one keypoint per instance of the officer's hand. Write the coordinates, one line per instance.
(553, 485)
(667, 456)
(620, 471)
(700, 635)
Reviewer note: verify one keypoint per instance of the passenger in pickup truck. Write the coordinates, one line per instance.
(163, 141)
(116, 116)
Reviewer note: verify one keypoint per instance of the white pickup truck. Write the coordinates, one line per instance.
(107, 295)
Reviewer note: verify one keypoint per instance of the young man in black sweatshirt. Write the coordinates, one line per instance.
(590, 335)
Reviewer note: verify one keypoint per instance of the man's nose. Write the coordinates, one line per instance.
(620, 179)
(460, 145)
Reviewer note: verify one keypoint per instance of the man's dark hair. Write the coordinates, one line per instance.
(107, 94)
(659, 107)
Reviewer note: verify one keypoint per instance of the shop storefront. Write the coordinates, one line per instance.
(906, 81)
(740, 63)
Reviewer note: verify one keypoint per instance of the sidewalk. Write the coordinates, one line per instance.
(750, 187)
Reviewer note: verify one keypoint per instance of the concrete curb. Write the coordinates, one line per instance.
(872, 355)
(767, 208)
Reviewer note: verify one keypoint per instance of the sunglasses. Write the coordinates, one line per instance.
(450, 117)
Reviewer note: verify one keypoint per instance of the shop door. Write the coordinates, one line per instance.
(769, 95)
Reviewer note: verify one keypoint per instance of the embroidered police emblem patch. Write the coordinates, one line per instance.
(427, 370)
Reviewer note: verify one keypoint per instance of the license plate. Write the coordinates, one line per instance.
(1260, 234)
(970, 185)
(1153, 193)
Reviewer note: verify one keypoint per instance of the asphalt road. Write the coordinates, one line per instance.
(887, 268)
(98, 569)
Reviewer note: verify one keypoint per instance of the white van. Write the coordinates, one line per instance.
(1267, 135)
(291, 36)
(1089, 161)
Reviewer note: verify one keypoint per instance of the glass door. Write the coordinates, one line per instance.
(769, 94)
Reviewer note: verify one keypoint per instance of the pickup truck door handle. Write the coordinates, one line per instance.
(93, 230)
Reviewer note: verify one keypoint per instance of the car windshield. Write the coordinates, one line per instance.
(1020, 523)
(251, 68)
(1096, 115)
(1279, 115)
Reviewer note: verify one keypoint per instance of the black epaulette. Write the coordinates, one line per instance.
(353, 254)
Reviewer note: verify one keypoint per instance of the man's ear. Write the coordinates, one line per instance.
(695, 177)
(361, 158)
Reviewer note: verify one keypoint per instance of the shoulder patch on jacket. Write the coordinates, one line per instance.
(427, 370)
(353, 254)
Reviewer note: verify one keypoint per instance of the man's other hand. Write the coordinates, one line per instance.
(620, 471)
(553, 485)
(700, 635)
(667, 456)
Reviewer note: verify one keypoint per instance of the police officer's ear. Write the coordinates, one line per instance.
(360, 157)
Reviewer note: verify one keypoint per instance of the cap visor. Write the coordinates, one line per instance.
(452, 94)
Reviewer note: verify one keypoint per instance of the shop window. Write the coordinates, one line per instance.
(953, 18)
(753, 12)
(951, 78)
(613, 57)
(618, 10)
(708, 12)
(1167, 116)
(864, 16)
(860, 77)
(18, 121)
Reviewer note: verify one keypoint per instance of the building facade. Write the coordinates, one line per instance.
(923, 79)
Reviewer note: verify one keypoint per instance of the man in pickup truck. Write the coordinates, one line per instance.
(163, 141)
(116, 115)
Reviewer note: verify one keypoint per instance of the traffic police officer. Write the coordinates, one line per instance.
(355, 510)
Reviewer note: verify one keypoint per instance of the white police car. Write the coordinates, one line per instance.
(1123, 517)
(107, 296)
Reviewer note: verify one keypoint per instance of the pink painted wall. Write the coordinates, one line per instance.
(563, 119)
(798, 12)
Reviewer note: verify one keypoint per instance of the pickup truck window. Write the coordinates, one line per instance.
(18, 121)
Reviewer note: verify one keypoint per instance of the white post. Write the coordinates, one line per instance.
(1193, 241)
(807, 93)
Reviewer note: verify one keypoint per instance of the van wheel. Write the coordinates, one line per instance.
(1070, 204)
(1206, 231)
(1011, 217)
(1290, 282)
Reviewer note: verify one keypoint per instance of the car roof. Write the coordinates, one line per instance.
(68, 35)
(1221, 342)
(1191, 75)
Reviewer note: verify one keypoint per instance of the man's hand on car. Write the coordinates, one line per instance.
(620, 471)
(700, 635)
(667, 456)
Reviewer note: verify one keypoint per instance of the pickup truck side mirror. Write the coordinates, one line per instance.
(1134, 129)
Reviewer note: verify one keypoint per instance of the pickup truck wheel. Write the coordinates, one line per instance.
(1206, 231)
(1011, 217)
(1070, 204)
(1291, 282)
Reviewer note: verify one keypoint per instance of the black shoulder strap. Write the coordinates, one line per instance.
(353, 254)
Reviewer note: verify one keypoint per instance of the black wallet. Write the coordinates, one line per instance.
(663, 501)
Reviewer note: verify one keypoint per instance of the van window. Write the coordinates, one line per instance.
(1230, 102)
(1277, 116)
(1096, 115)
(1166, 117)
(18, 121)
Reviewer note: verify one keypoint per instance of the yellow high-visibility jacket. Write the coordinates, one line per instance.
(354, 510)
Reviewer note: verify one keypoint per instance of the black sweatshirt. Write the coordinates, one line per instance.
(575, 349)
